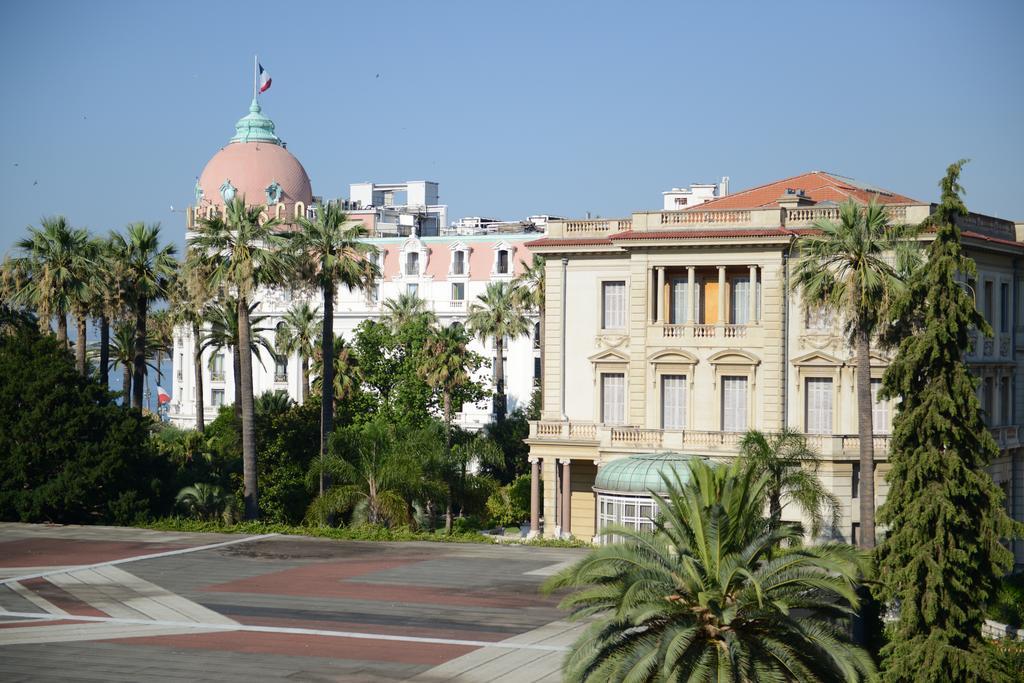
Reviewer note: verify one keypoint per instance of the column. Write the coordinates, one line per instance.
(752, 296)
(534, 497)
(723, 313)
(691, 295)
(566, 497)
(661, 295)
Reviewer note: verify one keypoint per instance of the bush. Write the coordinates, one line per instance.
(68, 452)
(1008, 607)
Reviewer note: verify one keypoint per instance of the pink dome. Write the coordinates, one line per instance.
(252, 167)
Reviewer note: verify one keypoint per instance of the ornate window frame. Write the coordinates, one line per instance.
(410, 246)
(506, 246)
(466, 251)
(735, 363)
(610, 362)
(819, 365)
(669, 362)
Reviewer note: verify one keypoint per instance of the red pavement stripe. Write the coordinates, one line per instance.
(470, 632)
(307, 646)
(39, 622)
(61, 598)
(330, 580)
(60, 552)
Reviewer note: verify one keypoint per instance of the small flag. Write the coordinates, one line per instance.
(264, 79)
(162, 396)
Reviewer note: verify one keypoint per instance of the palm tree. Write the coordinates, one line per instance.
(845, 268)
(713, 594)
(83, 297)
(403, 309)
(445, 367)
(241, 253)
(332, 253)
(162, 325)
(530, 292)
(790, 466)
(271, 403)
(347, 375)
(51, 272)
(110, 300)
(122, 354)
(147, 268)
(224, 335)
(190, 296)
(203, 501)
(298, 334)
(369, 468)
(498, 315)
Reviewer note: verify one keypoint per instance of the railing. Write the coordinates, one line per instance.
(582, 430)
(730, 217)
(988, 347)
(457, 303)
(633, 437)
(1006, 437)
(807, 215)
(699, 331)
(599, 227)
(216, 376)
(703, 331)
(1004, 345)
(734, 331)
(673, 331)
(280, 377)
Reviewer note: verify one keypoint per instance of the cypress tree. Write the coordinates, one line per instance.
(942, 558)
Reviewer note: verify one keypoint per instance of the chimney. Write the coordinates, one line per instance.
(793, 198)
(723, 187)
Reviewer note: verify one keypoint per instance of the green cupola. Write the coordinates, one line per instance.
(255, 127)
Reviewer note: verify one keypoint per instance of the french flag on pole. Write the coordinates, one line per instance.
(264, 79)
(162, 396)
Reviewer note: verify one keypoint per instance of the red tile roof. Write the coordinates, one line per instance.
(818, 185)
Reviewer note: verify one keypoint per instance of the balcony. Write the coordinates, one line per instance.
(699, 331)
(216, 375)
(457, 304)
(280, 377)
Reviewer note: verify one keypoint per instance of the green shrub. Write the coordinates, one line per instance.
(1008, 607)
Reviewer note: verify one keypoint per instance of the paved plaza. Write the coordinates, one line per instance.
(117, 604)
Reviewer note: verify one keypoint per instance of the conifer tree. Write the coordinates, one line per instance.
(942, 558)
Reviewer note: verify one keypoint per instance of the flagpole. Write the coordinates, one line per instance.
(255, 76)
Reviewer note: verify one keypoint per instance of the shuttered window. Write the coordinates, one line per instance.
(673, 402)
(818, 399)
(679, 301)
(734, 404)
(613, 296)
(459, 262)
(613, 398)
(881, 421)
(740, 313)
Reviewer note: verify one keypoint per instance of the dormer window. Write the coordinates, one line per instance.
(412, 263)
(459, 263)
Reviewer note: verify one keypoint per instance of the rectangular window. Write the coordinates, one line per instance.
(536, 370)
(459, 263)
(374, 293)
(613, 305)
(412, 289)
(1004, 307)
(673, 402)
(412, 263)
(679, 301)
(855, 481)
(503, 261)
(740, 313)
(280, 369)
(855, 534)
(458, 291)
(818, 404)
(613, 398)
(1005, 402)
(217, 398)
(881, 420)
(734, 404)
(989, 304)
(217, 367)
(987, 390)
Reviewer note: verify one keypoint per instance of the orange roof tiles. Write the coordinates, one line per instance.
(817, 185)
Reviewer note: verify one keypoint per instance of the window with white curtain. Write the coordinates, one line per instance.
(613, 398)
(740, 313)
(819, 318)
(458, 262)
(734, 404)
(678, 294)
(673, 401)
(818, 404)
(412, 263)
(881, 420)
(613, 304)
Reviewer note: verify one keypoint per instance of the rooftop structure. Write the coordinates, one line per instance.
(679, 198)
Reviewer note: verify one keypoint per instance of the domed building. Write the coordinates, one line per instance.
(256, 165)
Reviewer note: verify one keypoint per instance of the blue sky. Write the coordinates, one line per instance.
(110, 109)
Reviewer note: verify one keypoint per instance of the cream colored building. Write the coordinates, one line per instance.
(675, 331)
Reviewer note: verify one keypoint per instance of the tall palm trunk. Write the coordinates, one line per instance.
(139, 375)
(327, 381)
(197, 363)
(62, 329)
(236, 371)
(867, 446)
(104, 350)
(500, 405)
(251, 490)
(448, 456)
(305, 377)
(127, 380)
(80, 340)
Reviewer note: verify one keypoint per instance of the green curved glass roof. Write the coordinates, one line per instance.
(641, 473)
(255, 127)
